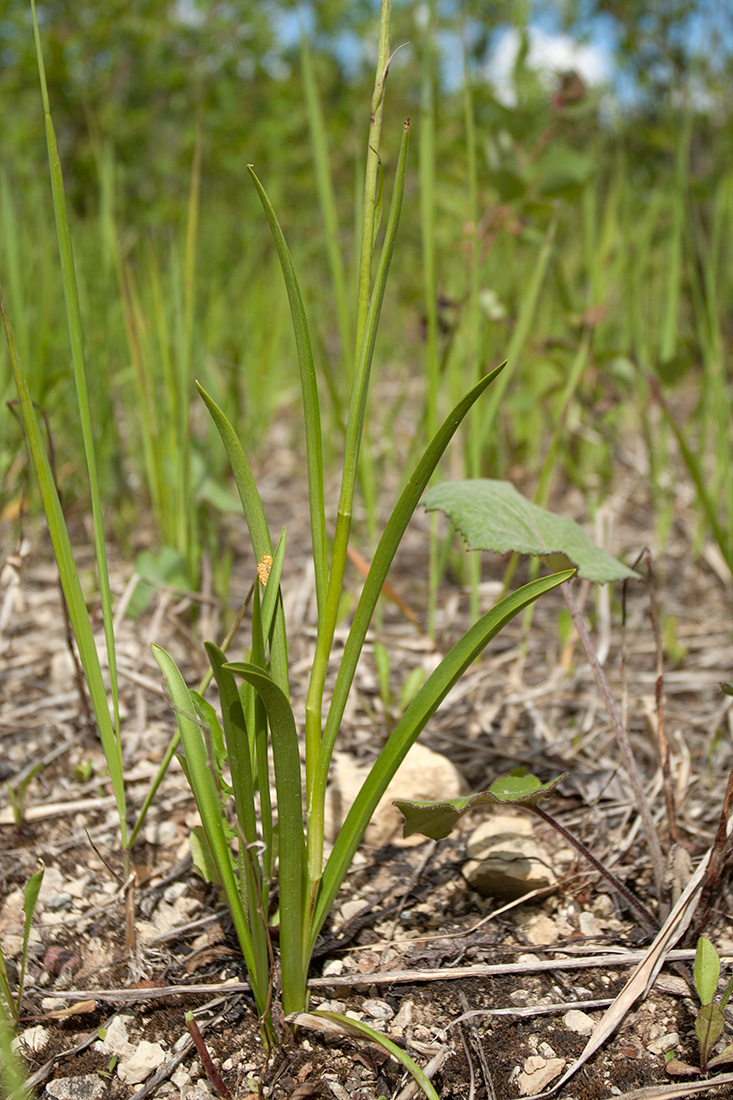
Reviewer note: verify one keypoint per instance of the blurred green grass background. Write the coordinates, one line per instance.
(585, 239)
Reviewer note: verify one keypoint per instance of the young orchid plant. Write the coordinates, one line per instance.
(256, 722)
(272, 847)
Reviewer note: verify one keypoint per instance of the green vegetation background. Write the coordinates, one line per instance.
(590, 245)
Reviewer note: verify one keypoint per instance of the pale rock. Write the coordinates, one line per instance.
(12, 945)
(541, 929)
(351, 909)
(180, 1077)
(161, 833)
(147, 1057)
(176, 890)
(186, 905)
(116, 1041)
(403, 1018)
(537, 1073)
(62, 675)
(88, 1087)
(78, 887)
(62, 901)
(33, 1039)
(164, 918)
(333, 968)
(423, 775)
(200, 1091)
(577, 1021)
(664, 1043)
(589, 925)
(337, 1089)
(603, 907)
(506, 860)
(378, 1010)
(53, 883)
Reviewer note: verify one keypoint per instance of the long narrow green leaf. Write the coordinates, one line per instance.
(271, 597)
(286, 758)
(407, 730)
(68, 575)
(73, 315)
(259, 729)
(240, 762)
(30, 900)
(254, 514)
(354, 430)
(326, 198)
(237, 741)
(309, 390)
(371, 198)
(210, 809)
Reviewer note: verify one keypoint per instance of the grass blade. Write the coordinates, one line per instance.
(309, 390)
(254, 515)
(68, 575)
(209, 806)
(286, 758)
(354, 430)
(73, 315)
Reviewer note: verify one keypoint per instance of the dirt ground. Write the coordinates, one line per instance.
(475, 990)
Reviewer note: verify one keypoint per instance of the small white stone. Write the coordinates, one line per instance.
(333, 968)
(403, 1018)
(542, 929)
(589, 925)
(174, 891)
(200, 1091)
(351, 909)
(33, 1039)
(664, 1043)
(181, 1077)
(579, 1022)
(538, 1072)
(146, 1058)
(116, 1041)
(87, 1087)
(378, 1010)
(161, 833)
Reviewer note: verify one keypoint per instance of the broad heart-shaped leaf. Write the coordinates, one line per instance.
(492, 515)
(437, 819)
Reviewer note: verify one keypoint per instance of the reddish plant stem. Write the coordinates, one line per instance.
(617, 884)
(203, 1053)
